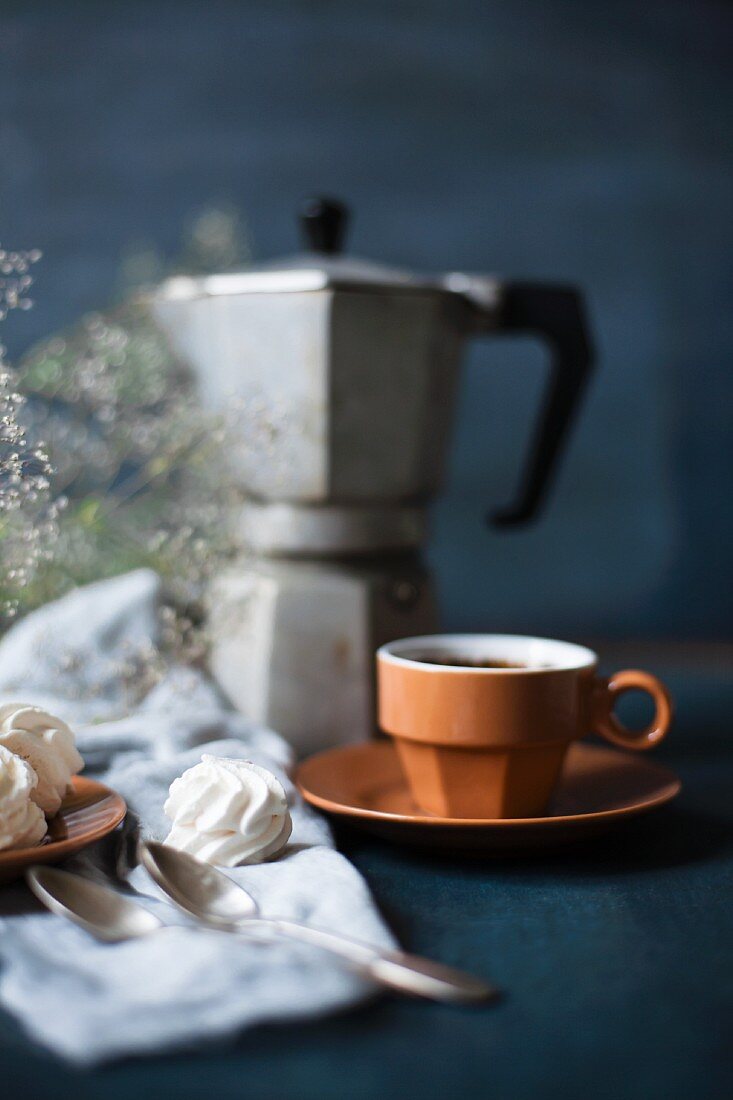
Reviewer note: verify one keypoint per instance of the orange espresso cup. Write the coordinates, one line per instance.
(482, 722)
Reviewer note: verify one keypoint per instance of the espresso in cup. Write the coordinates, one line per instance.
(461, 661)
(482, 722)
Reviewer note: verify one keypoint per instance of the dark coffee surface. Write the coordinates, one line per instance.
(458, 661)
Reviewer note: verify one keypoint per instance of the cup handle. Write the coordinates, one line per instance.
(605, 722)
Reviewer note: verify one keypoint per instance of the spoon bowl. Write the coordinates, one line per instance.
(98, 909)
(196, 887)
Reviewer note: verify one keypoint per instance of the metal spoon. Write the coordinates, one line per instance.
(98, 909)
(212, 897)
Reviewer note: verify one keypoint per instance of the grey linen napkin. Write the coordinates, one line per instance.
(90, 1002)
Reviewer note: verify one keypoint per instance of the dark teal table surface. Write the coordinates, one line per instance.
(616, 959)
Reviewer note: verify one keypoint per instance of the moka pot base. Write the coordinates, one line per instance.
(293, 639)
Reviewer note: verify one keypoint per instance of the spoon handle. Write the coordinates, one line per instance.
(397, 969)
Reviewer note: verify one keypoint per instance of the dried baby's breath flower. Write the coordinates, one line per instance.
(28, 514)
(142, 465)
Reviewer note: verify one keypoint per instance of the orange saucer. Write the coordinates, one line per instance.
(87, 813)
(598, 787)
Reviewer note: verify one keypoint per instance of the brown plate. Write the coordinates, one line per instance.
(88, 812)
(598, 788)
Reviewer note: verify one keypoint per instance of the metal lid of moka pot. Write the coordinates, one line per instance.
(322, 267)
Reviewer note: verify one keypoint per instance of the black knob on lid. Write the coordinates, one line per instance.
(323, 222)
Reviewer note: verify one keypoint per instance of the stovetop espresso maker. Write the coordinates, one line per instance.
(343, 375)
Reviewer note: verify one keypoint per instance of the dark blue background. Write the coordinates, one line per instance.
(584, 141)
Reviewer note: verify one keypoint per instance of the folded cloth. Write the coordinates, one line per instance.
(80, 657)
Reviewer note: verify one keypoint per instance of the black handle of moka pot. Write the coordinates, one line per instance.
(556, 314)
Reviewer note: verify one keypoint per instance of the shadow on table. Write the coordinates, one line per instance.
(672, 837)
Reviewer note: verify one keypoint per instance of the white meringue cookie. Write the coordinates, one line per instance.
(22, 824)
(228, 812)
(47, 744)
